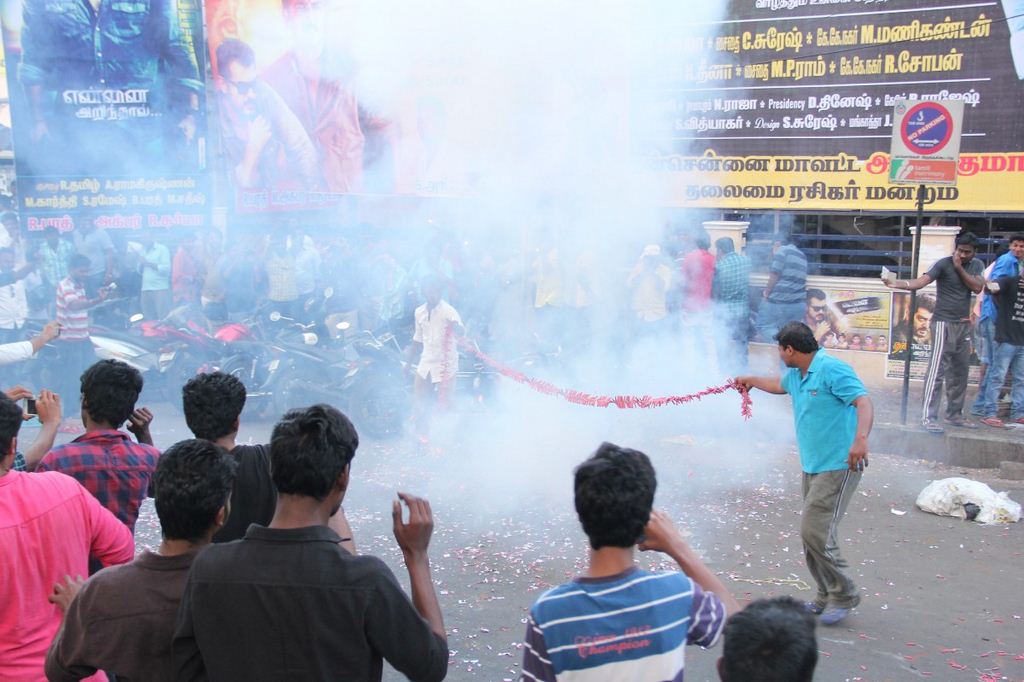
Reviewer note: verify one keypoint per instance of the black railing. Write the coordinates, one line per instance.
(846, 255)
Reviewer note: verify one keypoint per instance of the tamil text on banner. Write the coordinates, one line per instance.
(788, 104)
(108, 105)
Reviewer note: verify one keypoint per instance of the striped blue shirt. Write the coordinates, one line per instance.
(631, 627)
(790, 264)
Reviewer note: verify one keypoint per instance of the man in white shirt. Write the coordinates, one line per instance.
(155, 267)
(438, 327)
(13, 303)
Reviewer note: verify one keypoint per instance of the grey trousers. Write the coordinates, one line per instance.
(826, 496)
(951, 355)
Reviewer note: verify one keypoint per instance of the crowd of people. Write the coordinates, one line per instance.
(976, 310)
(258, 575)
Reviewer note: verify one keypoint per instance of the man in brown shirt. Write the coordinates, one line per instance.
(122, 620)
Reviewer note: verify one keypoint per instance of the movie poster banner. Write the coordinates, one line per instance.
(848, 319)
(298, 126)
(109, 112)
(787, 104)
(919, 339)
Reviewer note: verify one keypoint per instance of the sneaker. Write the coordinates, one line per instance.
(962, 423)
(932, 427)
(833, 615)
(813, 607)
(994, 422)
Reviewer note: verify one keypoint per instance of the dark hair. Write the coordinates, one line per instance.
(212, 403)
(10, 423)
(797, 336)
(772, 640)
(1016, 237)
(110, 389)
(8, 216)
(927, 302)
(967, 239)
(78, 261)
(703, 240)
(816, 293)
(614, 494)
(192, 482)
(725, 246)
(51, 230)
(309, 450)
(234, 50)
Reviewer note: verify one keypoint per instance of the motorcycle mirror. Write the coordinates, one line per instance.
(275, 316)
(310, 339)
(342, 326)
(136, 318)
(328, 292)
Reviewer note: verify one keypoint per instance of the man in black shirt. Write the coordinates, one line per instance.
(213, 407)
(1008, 293)
(288, 603)
(957, 278)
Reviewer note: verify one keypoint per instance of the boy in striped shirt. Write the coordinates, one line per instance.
(619, 622)
(73, 306)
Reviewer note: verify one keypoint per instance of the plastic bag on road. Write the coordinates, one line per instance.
(966, 499)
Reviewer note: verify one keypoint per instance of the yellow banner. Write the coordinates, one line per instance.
(986, 182)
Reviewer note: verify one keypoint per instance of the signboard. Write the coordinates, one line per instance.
(304, 123)
(925, 142)
(918, 340)
(849, 319)
(109, 113)
(845, 319)
(788, 104)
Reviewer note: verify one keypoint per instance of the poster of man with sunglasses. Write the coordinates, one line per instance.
(849, 320)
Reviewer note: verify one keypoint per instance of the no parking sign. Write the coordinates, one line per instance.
(926, 142)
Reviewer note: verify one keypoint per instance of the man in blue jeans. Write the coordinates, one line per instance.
(785, 297)
(1009, 349)
(1007, 265)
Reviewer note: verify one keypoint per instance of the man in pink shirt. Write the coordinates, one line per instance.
(49, 525)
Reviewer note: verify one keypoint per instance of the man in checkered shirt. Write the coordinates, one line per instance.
(106, 461)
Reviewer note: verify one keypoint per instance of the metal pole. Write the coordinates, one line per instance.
(914, 264)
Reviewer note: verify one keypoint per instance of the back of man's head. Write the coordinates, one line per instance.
(724, 246)
(798, 336)
(10, 424)
(110, 389)
(192, 483)
(309, 450)
(614, 494)
(772, 640)
(213, 403)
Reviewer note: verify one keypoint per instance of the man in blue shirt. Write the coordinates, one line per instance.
(833, 416)
(618, 622)
(1007, 265)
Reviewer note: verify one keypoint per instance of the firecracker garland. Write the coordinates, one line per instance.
(623, 402)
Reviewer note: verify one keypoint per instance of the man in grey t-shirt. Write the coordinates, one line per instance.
(957, 278)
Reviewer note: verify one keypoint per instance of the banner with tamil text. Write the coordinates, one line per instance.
(787, 104)
(108, 104)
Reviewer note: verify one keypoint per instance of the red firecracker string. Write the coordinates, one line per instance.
(623, 402)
